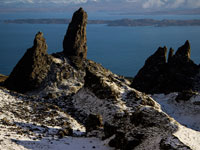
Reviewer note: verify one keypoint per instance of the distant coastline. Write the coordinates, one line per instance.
(120, 22)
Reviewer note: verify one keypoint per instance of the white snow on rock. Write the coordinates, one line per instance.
(22, 133)
(88, 103)
(195, 99)
(185, 112)
(189, 137)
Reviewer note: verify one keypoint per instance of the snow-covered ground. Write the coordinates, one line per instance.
(186, 113)
(12, 141)
(188, 137)
(28, 124)
(20, 129)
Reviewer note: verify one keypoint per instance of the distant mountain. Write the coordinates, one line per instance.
(113, 23)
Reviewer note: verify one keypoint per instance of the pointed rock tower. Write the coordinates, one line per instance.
(176, 75)
(147, 78)
(32, 69)
(184, 52)
(170, 55)
(75, 41)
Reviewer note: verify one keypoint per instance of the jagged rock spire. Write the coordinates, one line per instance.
(159, 57)
(171, 54)
(146, 79)
(75, 41)
(176, 75)
(31, 70)
(184, 51)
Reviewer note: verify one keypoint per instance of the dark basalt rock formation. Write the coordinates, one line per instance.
(153, 72)
(183, 53)
(75, 41)
(185, 95)
(129, 134)
(181, 70)
(93, 122)
(170, 55)
(159, 76)
(32, 69)
(37, 69)
(165, 145)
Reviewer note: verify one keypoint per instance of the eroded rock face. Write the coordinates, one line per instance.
(159, 76)
(146, 124)
(184, 52)
(32, 69)
(148, 78)
(93, 122)
(171, 54)
(75, 41)
(181, 70)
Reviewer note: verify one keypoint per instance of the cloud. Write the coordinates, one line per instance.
(17, 1)
(153, 3)
(132, 1)
(176, 4)
(46, 1)
(170, 4)
(145, 4)
(193, 3)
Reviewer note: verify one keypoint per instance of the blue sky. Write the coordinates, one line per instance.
(134, 5)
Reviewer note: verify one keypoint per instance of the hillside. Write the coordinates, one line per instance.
(65, 101)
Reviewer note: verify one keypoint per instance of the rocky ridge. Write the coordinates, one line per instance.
(160, 75)
(62, 96)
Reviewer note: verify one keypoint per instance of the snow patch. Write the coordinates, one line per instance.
(88, 103)
(189, 137)
(184, 112)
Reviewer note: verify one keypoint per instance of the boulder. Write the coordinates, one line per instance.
(32, 69)
(93, 122)
(185, 95)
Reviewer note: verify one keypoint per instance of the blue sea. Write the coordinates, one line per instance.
(123, 50)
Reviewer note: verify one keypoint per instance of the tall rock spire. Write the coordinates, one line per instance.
(75, 41)
(31, 70)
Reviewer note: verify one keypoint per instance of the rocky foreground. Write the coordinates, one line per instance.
(65, 101)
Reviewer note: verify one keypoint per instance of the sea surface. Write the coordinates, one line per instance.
(123, 50)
